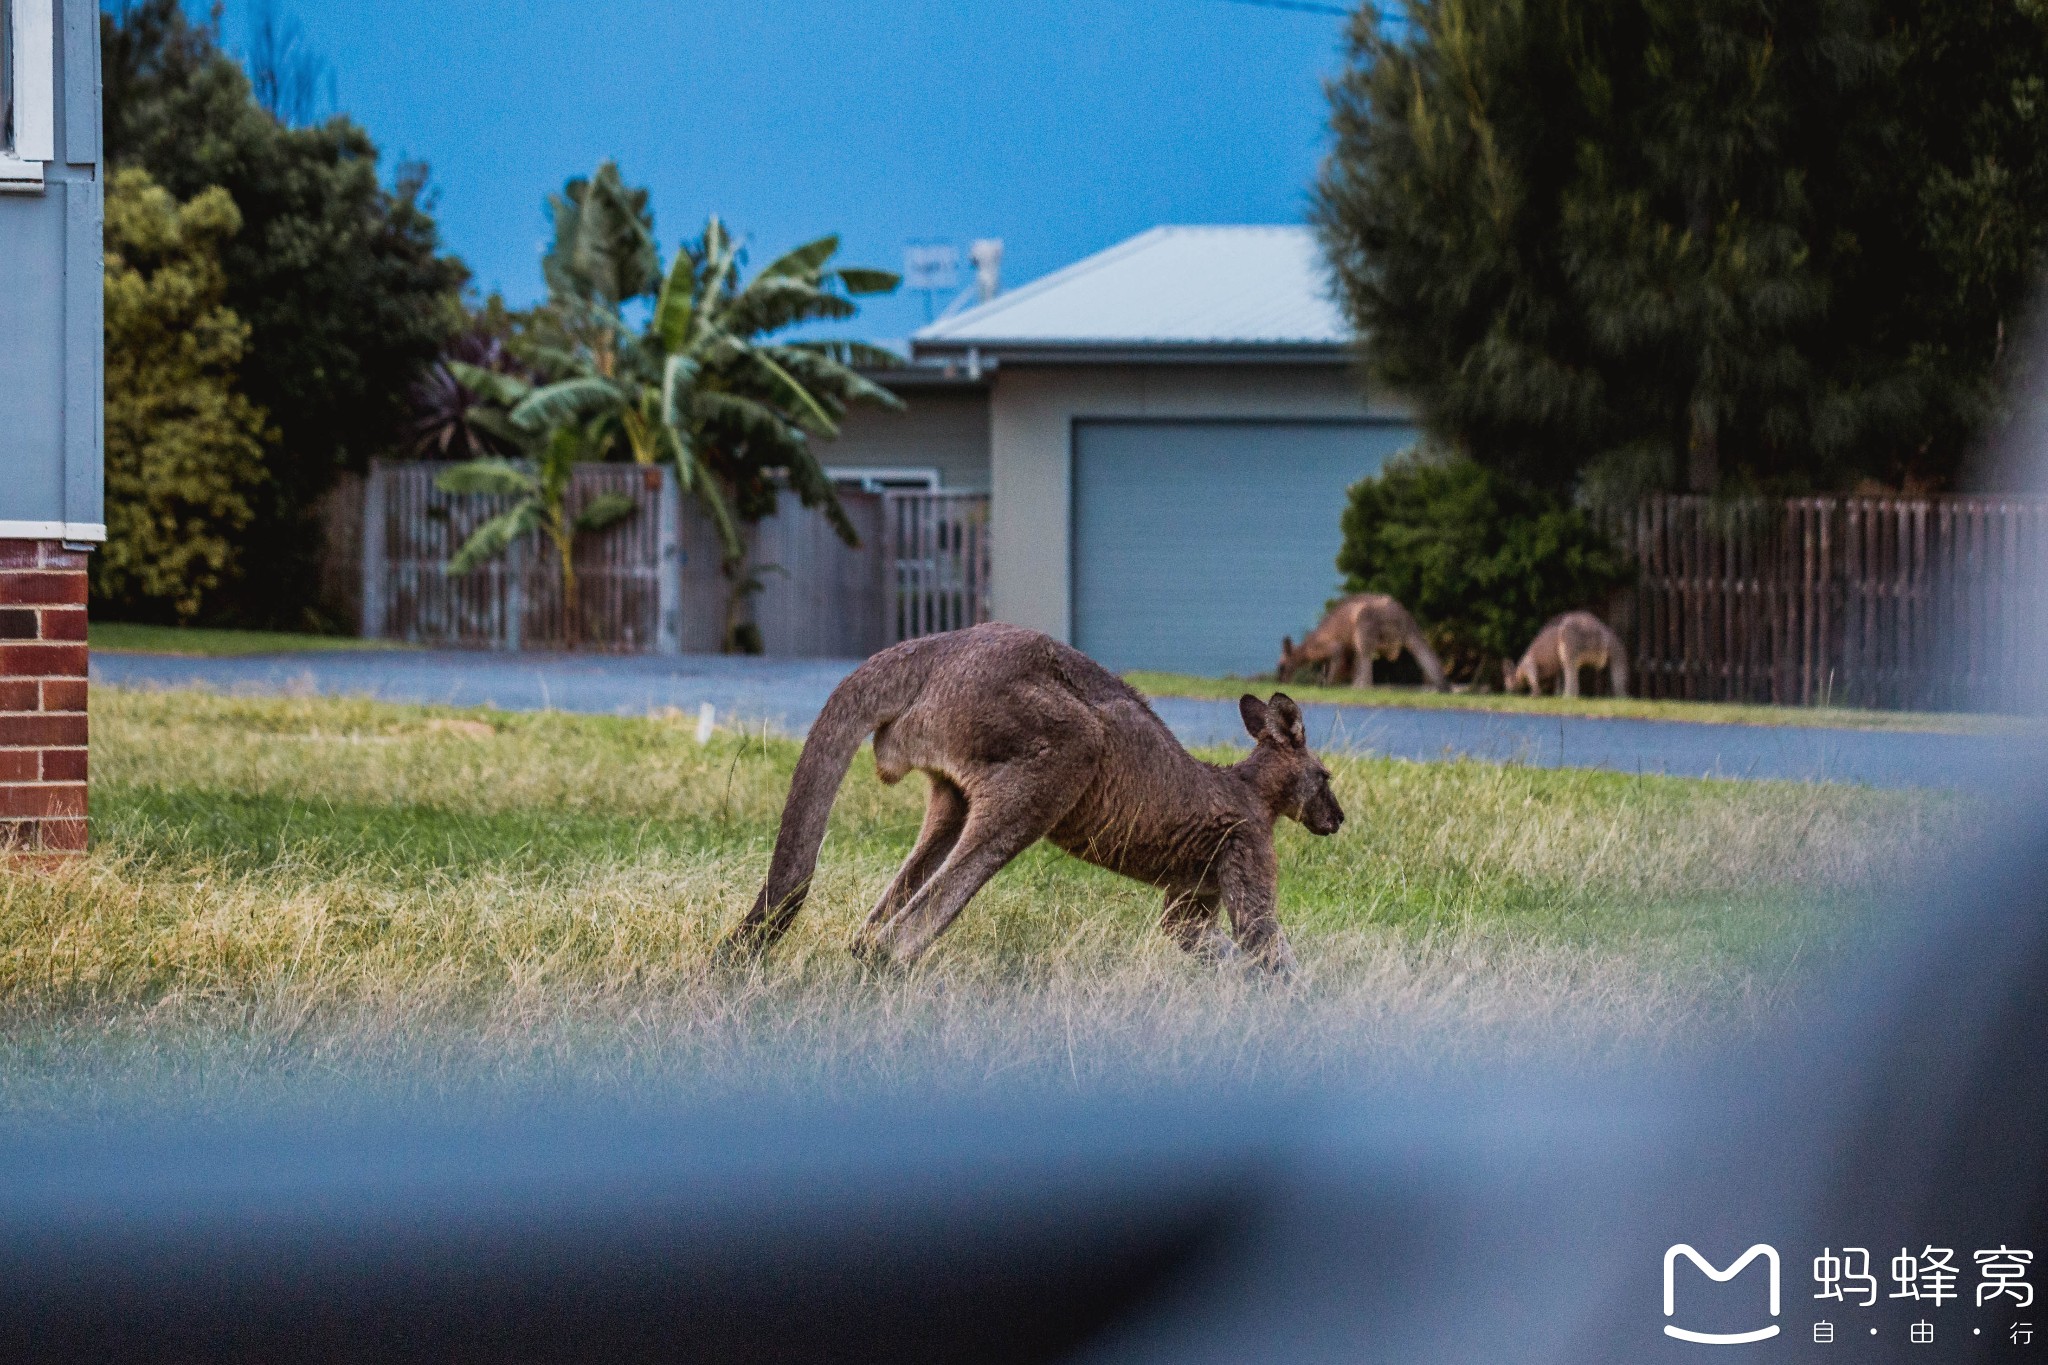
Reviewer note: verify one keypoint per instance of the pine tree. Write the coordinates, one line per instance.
(1611, 245)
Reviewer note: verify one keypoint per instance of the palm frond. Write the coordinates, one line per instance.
(567, 400)
(678, 381)
(749, 418)
(769, 305)
(492, 476)
(805, 262)
(675, 311)
(807, 478)
(861, 353)
(809, 413)
(492, 386)
(861, 280)
(827, 377)
(494, 537)
(606, 509)
(701, 484)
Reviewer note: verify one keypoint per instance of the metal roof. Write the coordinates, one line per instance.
(1254, 292)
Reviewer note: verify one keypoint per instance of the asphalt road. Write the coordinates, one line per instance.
(786, 694)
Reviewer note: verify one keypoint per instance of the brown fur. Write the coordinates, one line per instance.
(1567, 643)
(1024, 738)
(1355, 632)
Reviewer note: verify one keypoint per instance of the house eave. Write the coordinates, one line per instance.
(1022, 352)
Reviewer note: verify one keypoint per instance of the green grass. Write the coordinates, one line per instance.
(143, 639)
(316, 887)
(1634, 708)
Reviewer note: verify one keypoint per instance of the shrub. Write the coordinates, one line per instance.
(184, 447)
(1480, 560)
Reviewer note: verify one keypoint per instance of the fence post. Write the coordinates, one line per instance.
(516, 557)
(668, 565)
(374, 568)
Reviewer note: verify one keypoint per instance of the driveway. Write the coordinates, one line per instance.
(786, 694)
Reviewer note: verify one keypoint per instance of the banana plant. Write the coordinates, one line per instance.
(540, 492)
(702, 385)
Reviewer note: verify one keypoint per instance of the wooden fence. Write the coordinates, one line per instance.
(937, 547)
(1883, 602)
(655, 582)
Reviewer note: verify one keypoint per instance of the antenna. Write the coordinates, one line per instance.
(931, 269)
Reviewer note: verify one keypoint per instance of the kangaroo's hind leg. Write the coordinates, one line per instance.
(1190, 921)
(1568, 660)
(945, 814)
(1005, 816)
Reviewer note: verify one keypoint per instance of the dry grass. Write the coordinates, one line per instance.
(293, 888)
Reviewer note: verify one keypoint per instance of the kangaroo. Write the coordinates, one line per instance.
(1355, 632)
(1024, 738)
(1567, 643)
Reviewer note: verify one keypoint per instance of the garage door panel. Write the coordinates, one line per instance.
(1197, 545)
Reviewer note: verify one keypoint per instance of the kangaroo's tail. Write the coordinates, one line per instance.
(870, 697)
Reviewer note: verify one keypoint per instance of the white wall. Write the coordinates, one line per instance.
(1032, 418)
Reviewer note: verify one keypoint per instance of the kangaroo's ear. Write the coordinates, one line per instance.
(1285, 719)
(1254, 712)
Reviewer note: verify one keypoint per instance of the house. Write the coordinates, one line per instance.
(1166, 429)
(50, 395)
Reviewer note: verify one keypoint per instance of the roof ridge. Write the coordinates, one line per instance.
(1193, 283)
(1086, 265)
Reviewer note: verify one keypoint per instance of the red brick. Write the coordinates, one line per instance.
(42, 799)
(63, 623)
(37, 589)
(42, 661)
(20, 554)
(63, 731)
(21, 765)
(55, 556)
(62, 836)
(60, 765)
(59, 694)
(19, 623)
(20, 695)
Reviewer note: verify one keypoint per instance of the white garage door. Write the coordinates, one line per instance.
(1197, 545)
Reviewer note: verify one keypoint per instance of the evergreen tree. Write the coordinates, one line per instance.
(1611, 245)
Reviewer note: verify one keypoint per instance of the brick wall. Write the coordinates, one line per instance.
(42, 697)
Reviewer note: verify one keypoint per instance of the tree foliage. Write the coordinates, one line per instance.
(704, 384)
(184, 448)
(1480, 559)
(540, 495)
(1611, 245)
(338, 277)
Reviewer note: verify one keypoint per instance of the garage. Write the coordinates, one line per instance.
(1172, 425)
(1197, 544)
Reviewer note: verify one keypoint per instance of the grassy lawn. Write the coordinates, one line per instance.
(316, 888)
(190, 640)
(1636, 708)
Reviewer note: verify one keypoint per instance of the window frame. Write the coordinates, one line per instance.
(32, 84)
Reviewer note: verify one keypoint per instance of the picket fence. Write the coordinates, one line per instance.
(653, 582)
(1893, 602)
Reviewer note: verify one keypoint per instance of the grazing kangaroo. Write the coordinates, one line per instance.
(1024, 738)
(1355, 632)
(1567, 643)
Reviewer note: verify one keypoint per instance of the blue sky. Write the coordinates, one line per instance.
(1061, 128)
